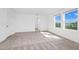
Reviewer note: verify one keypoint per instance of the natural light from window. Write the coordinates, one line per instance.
(49, 35)
(71, 19)
(58, 21)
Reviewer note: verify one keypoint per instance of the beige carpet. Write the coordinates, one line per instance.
(37, 41)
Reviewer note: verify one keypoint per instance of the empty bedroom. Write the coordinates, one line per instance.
(39, 29)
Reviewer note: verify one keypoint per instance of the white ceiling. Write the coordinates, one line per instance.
(39, 11)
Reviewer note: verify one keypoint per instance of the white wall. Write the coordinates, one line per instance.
(43, 23)
(6, 18)
(26, 23)
(3, 22)
(69, 34)
(11, 19)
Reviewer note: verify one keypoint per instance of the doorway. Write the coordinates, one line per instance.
(37, 21)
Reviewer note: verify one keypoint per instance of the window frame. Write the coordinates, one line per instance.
(60, 21)
(76, 19)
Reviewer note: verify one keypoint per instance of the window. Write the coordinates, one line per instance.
(58, 21)
(71, 19)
